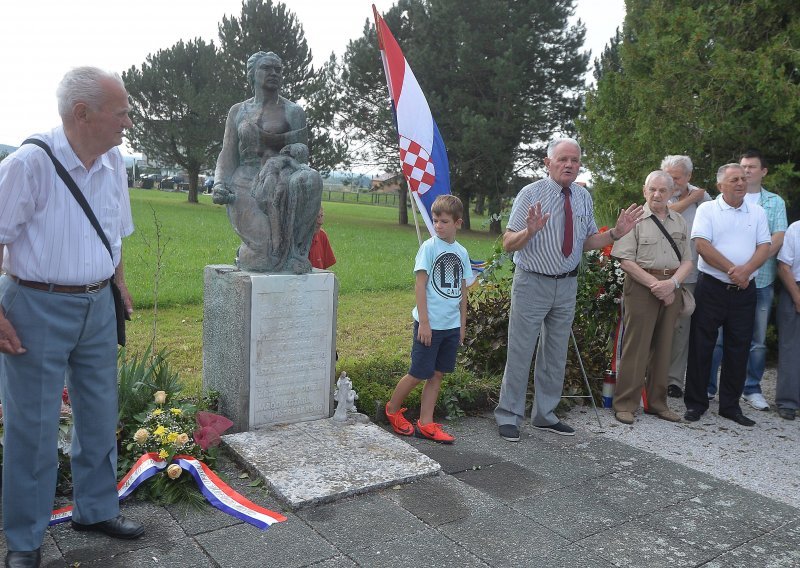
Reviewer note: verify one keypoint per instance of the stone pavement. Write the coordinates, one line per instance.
(552, 501)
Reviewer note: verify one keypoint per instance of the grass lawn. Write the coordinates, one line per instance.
(375, 258)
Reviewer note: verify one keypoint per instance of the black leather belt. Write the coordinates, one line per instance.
(571, 274)
(63, 289)
(727, 286)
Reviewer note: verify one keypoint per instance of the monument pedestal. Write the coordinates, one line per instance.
(269, 345)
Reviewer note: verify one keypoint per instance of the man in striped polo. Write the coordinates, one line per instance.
(551, 225)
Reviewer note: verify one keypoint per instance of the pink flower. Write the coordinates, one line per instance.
(210, 427)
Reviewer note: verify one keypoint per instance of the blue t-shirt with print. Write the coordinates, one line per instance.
(447, 265)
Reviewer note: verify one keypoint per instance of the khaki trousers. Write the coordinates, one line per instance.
(646, 348)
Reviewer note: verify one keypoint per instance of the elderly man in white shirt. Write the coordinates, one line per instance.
(732, 239)
(58, 314)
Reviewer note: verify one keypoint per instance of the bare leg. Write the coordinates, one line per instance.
(430, 392)
(401, 391)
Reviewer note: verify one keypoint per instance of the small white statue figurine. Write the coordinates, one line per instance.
(345, 398)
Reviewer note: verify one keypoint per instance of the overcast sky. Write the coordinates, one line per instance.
(41, 39)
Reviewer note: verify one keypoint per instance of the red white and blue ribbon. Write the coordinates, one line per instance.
(216, 491)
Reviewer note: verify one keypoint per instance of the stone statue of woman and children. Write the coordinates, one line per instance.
(262, 176)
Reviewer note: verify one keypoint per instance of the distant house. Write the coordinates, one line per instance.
(386, 183)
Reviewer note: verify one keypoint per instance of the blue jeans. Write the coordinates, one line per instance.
(757, 360)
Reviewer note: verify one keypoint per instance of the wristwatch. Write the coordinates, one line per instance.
(677, 284)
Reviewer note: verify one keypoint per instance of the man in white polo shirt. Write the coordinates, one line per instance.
(732, 239)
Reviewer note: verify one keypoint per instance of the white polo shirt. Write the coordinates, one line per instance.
(47, 235)
(734, 231)
(790, 251)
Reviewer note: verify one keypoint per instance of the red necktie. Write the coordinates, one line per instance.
(566, 246)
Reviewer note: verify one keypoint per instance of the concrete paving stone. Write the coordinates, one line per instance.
(456, 458)
(573, 512)
(508, 481)
(436, 500)
(291, 544)
(426, 548)
(576, 557)
(779, 548)
(354, 523)
(757, 511)
(340, 561)
(174, 554)
(634, 493)
(500, 536)
(702, 526)
(159, 527)
(637, 544)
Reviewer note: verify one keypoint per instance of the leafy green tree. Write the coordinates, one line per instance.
(501, 77)
(264, 25)
(177, 113)
(709, 80)
(3, 155)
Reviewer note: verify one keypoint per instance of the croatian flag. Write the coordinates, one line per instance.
(423, 156)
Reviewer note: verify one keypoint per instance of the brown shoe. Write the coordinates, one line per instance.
(624, 417)
(667, 415)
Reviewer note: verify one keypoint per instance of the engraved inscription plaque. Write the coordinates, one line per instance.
(291, 347)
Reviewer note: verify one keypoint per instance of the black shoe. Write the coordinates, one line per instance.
(118, 527)
(674, 391)
(692, 415)
(558, 428)
(24, 559)
(787, 413)
(509, 432)
(739, 418)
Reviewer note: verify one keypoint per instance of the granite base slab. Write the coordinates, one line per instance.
(320, 461)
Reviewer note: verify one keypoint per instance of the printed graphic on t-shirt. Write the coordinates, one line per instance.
(447, 275)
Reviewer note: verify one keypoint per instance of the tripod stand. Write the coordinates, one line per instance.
(585, 380)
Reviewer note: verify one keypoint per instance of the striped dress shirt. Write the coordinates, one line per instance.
(47, 236)
(542, 253)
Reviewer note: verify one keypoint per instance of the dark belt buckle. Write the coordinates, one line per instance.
(96, 287)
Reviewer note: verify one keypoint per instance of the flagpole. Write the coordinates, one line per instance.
(414, 214)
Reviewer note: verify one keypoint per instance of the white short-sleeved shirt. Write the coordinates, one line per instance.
(790, 251)
(47, 236)
(447, 266)
(734, 231)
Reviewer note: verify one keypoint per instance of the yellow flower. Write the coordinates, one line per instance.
(174, 471)
(160, 431)
(171, 437)
(176, 411)
(157, 412)
(141, 436)
(160, 397)
(183, 438)
(163, 454)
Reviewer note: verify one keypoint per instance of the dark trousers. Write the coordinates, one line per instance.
(719, 304)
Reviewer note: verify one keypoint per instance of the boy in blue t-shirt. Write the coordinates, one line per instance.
(440, 316)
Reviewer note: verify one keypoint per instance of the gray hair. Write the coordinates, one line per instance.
(83, 85)
(722, 169)
(659, 174)
(684, 162)
(252, 63)
(551, 147)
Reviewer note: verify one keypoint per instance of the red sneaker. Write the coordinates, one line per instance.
(399, 422)
(433, 431)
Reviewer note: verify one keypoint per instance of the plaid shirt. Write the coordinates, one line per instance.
(775, 208)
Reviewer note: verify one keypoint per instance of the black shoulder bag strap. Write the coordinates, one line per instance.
(119, 304)
(669, 237)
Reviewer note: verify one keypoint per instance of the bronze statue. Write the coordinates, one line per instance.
(272, 196)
